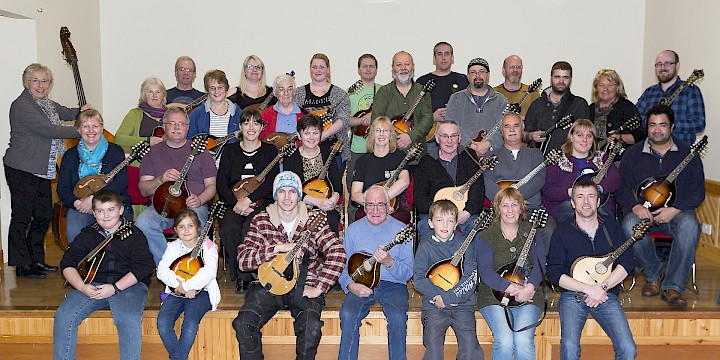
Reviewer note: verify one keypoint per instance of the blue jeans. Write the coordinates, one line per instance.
(170, 311)
(424, 228)
(507, 342)
(153, 224)
(394, 300)
(610, 316)
(435, 324)
(685, 229)
(76, 221)
(126, 308)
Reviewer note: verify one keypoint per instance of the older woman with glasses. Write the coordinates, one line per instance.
(140, 122)
(253, 89)
(36, 141)
(284, 115)
(217, 116)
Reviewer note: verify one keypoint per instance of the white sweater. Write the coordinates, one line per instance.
(205, 279)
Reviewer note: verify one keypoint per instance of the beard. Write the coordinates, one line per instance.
(479, 83)
(403, 78)
(666, 76)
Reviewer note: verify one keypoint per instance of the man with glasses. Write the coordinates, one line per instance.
(477, 108)
(688, 106)
(368, 235)
(447, 167)
(512, 87)
(162, 164)
(185, 72)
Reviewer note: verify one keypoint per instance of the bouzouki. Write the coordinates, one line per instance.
(89, 265)
(459, 194)
(615, 148)
(659, 191)
(562, 124)
(243, 188)
(413, 152)
(690, 81)
(517, 272)
(280, 275)
(91, 184)
(403, 122)
(364, 269)
(447, 273)
(326, 115)
(595, 270)
(320, 187)
(170, 197)
(552, 157)
(188, 265)
(517, 107)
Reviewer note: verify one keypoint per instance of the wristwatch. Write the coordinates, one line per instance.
(117, 289)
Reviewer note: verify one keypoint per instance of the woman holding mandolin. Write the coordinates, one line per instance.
(283, 116)
(140, 123)
(499, 245)
(310, 161)
(93, 155)
(243, 161)
(610, 109)
(253, 90)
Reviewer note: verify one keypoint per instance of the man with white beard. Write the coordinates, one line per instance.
(397, 97)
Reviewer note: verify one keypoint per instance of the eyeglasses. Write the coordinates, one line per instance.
(382, 131)
(285, 90)
(451, 136)
(175, 124)
(255, 67)
(515, 67)
(38, 81)
(375, 206)
(216, 88)
(187, 70)
(478, 72)
(665, 64)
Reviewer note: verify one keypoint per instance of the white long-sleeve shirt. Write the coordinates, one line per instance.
(206, 277)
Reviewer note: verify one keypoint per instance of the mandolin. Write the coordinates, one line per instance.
(91, 184)
(191, 106)
(243, 188)
(280, 139)
(659, 191)
(403, 122)
(517, 272)
(694, 77)
(320, 187)
(517, 107)
(615, 148)
(188, 265)
(562, 124)
(447, 273)
(431, 134)
(362, 130)
(280, 275)
(89, 265)
(326, 115)
(216, 144)
(364, 269)
(459, 194)
(595, 270)
(413, 153)
(261, 106)
(551, 158)
(170, 197)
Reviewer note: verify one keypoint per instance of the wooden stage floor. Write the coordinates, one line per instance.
(27, 307)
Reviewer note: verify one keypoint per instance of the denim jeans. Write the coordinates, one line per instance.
(126, 308)
(170, 310)
(425, 232)
(260, 306)
(685, 229)
(394, 300)
(610, 316)
(76, 221)
(506, 342)
(435, 324)
(153, 224)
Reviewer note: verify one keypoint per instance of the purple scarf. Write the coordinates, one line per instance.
(152, 111)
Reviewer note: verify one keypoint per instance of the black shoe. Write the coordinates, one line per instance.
(45, 267)
(241, 286)
(29, 271)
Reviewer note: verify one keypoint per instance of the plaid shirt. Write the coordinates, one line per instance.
(259, 247)
(689, 108)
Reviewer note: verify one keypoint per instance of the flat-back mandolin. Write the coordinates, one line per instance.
(690, 81)
(319, 186)
(562, 124)
(552, 157)
(280, 139)
(364, 269)
(517, 107)
(413, 153)
(326, 115)
(170, 197)
(459, 194)
(615, 148)
(243, 188)
(89, 265)
(91, 184)
(403, 122)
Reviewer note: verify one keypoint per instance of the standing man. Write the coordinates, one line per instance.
(476, 108)
(162, 164)
(184, 93)
(369, 235)
(447, 82)
(397, 97)
(555, 103)
(513, 88)
(688, 106)
(658, 155)
(273, 231)
(588, 236)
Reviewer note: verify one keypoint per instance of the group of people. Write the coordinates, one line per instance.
(445, 131)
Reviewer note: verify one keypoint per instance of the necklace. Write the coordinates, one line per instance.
(305, 153)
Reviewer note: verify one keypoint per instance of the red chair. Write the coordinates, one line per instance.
(137, 199)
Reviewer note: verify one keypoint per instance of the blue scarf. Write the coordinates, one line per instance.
(91, 160)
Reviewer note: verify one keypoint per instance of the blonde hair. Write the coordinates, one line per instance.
(32, 69)
(88, 114)
(512, 194)
(614, 78)
(152, 81)
(580, 124)
(243, 80)
(324, 58)
(378, 122)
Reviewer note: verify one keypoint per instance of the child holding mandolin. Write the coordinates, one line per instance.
(118, 277)
(193, 296)
(452, 307)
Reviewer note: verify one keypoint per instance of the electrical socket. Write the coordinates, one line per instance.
(707, 229)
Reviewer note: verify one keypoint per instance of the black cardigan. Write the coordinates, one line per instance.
(431, 177)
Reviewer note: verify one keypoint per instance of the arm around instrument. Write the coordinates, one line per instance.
(208, 271)
(485, 260)
(423, 262)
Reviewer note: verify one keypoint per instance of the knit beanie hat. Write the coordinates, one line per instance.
(479, 61)
(287, 179)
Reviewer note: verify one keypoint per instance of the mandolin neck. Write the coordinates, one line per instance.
(674, 174)
(530, 175)
(266, 170)
(463, 248)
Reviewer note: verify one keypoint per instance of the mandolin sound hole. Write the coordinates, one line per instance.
(457, 196)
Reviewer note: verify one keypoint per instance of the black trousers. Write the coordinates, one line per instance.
(31, 212)
(233, 228)
(260, 306)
